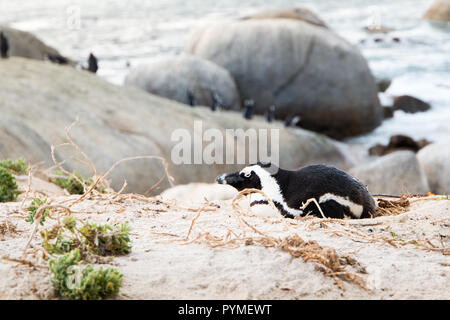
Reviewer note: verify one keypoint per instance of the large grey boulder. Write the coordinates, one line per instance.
(439, 10)
(301, 68)
(26, 45)
(393, 174)
(435, 161)
(40, 99)
(172, 77)
(302, 14)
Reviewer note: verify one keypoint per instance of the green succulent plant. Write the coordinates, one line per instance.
(83, 283)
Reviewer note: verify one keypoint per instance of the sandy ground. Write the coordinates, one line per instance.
(166, 264)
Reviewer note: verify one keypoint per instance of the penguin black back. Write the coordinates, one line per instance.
(248, 111)
(216, 102)
(57, 58)
(338, 193)
(291, 120)
(270, 114)
(190, 98)
(92, 63)
(4, 45)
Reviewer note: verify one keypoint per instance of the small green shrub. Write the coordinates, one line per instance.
(105, 240)
(77, 283)
(72, 185)
(16, 166)
(8, 186)
(101, 240)
(32, 209)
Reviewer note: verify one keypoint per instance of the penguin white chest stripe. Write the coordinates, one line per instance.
(271, 188)
(354, 208)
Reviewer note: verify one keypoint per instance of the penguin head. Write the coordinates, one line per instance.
(247, 178)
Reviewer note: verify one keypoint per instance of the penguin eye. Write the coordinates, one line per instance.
(246, 174)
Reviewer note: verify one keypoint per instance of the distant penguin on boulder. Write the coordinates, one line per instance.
(217, 102)
(302, 192)
(92, 63)
(249, 109)
(4, 46)
(292, 120)
(270, 114)
(57, 58)
(190, 98)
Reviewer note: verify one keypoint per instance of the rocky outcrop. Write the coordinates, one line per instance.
(410, 104)
(393, 174)
(302, 14)
(439, 10)
(26, 45)
(40, 99)
(300, 68)
(174, 77)
(383, 84)
(435, 161)
(396, 143)
(388, 112)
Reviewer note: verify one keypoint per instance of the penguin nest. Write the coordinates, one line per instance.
(326, 260)
(392, 207)
(7, 228)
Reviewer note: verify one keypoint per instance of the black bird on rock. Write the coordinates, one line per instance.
(270, 114)
(92, 63)
(191, 98)
(249, 110)
(4, 45)
(292, 120)
(217, 102)
(56, 58)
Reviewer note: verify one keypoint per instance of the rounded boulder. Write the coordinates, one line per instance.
(301, 68)
(177, 77)
(302, 14)
(439, 11)
(435, 161)
(394, 174)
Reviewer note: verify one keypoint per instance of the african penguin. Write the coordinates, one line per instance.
(57, 58)
(4, 45)
(270, 114)
(338, 194)
(292, 120)
(92, 63)
(216, 102)
(190, 98)
(248, 111)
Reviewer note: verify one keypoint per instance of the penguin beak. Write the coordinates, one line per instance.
(221, 179)
(232, 179)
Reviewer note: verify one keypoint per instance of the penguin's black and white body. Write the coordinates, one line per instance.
(92, 63)
(338, 194)
(190, 98)
(57, 58)
(292, 120)
(270, 114)
(216, 102)
(4, 45)
(249, 110)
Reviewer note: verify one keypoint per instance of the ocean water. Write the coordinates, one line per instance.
(123, 34)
